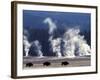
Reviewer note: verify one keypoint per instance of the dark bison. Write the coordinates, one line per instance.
(65, 63)
(29, 65)
(46, 63)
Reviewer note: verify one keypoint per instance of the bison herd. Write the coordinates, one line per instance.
(64, 63)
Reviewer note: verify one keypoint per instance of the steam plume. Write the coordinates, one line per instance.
(54, 43)
(52, 25)
(38, 48)
(75, 44)
(55, 46)
(70, 45)
(26, 43)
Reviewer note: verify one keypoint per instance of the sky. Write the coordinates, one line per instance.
(34, 19)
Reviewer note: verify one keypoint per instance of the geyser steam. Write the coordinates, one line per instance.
(74, 44)
(37, 48)
(54, 43)
(52, 25)
(71, 43)
(26, 43)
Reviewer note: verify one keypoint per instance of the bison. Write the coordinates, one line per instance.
(29, 65)
(46, 63)
(65, 63)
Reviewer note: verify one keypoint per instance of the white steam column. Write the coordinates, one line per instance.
(75, 44)
(55, 43)
(38, 48)
(26, 43)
